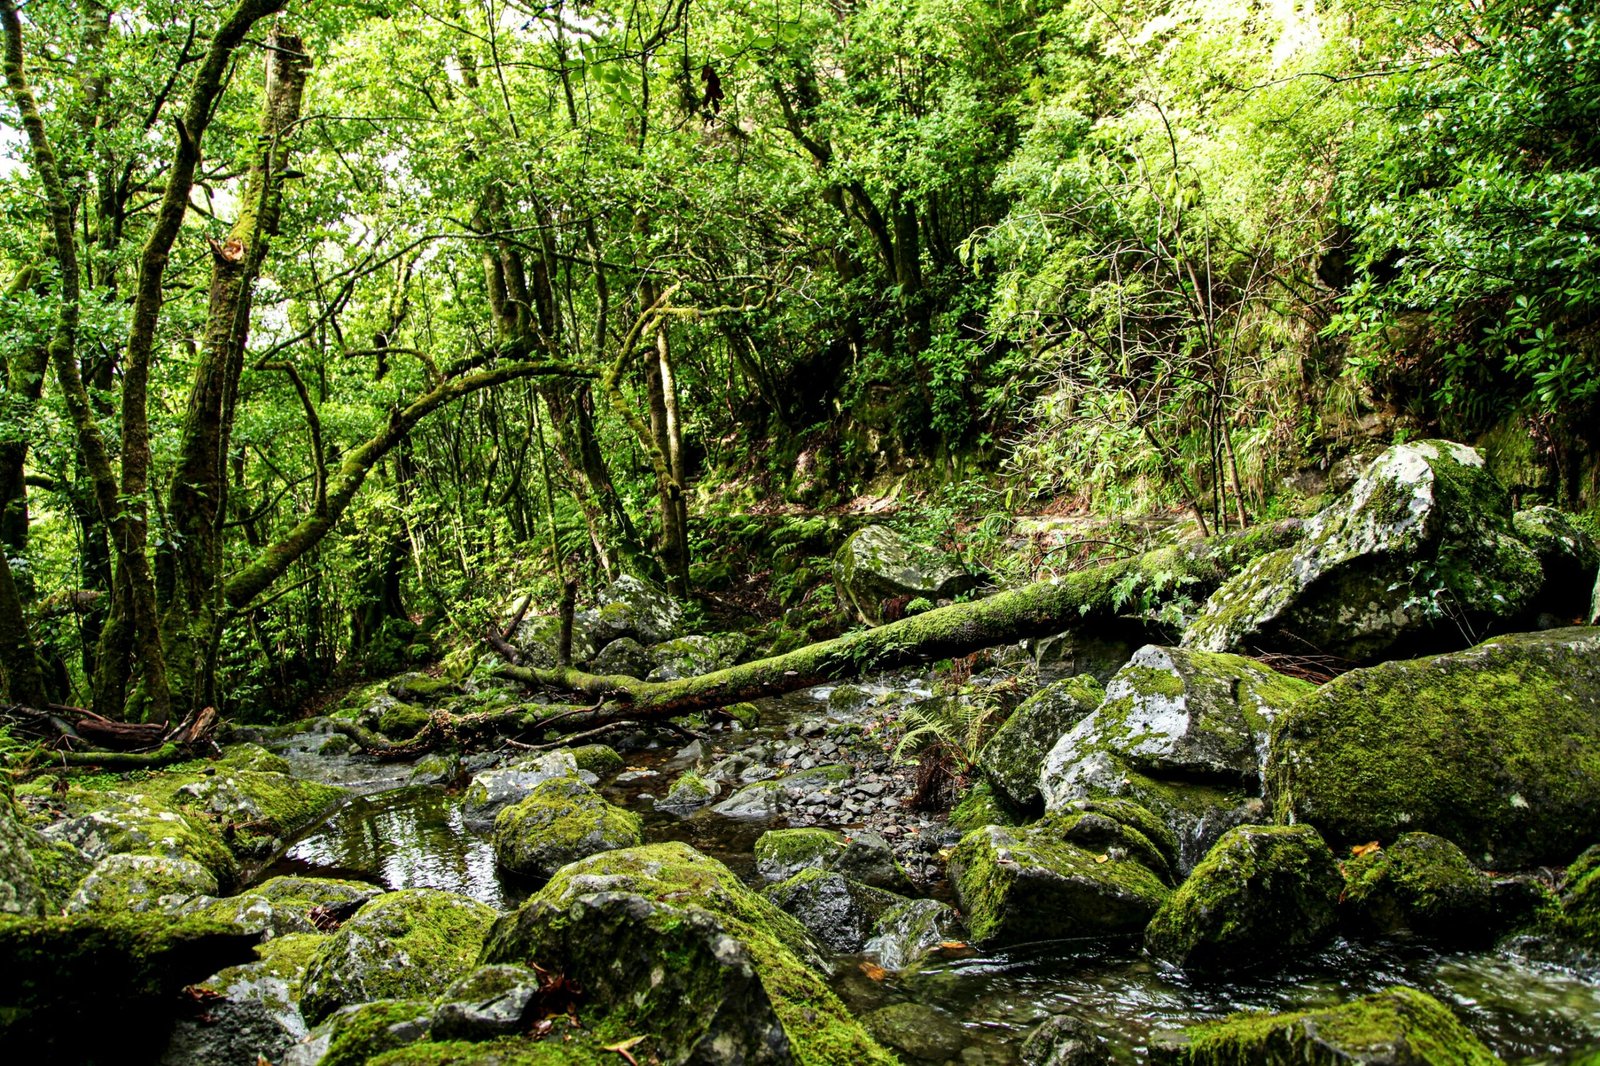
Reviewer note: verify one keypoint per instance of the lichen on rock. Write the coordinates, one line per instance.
(560, 821)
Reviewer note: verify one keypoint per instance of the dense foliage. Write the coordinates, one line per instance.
(511, 292)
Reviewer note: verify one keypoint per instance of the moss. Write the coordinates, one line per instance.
(979, 806)
(748, 715)
(61, 868)
(685, 890)
(1496, 748)
(597, 759)
(1023, 885)
(366, 1031)
(1578, 919)
(402, 721)
(110, 823)
(573, 1047)
(252, 757)
(1263, 893)
(560, 821)
(1421, 884)
(419, 688)
(1014, 756)
(1399, 1025)
(290, 956)
(399, 944)
(782, 853)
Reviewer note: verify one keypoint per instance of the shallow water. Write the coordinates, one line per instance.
(1527, 1012)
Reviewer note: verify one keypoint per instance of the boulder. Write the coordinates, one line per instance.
(910, 930)
(1062, 1040)
(877, 565)
(260, 808)
(868, 859)
(562, 820)
(1568, 557)
(926, 1034)
(782, 853)
(492, 791)
(1420, 885)
(694, 655)
(538, 641)
(143, 825)
(631, 607)
(353, 1035)
(252, 1012)
(135, 883)
(287, 905)
(1262, 894)
(598, 759)
(406, 943)
(1496, 748)
(1019, 885)
(623, 656)
(1578, 918)
(840, 913)
(1419, 550)
(689, 793)
(21, 891)
(1014, 757)
(675, 946)
(490, 1001)
(1396, 1027)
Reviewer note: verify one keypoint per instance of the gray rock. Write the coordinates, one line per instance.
(869, 859)
(695, 655)
(562, 820)
(1568, 558)
(1014, 757)
(689, 793)
(490, 1001)
(839, 912)
(624, 656)
(253, 1012)
(1062, 1040)
(920, 1031)
(20, 888)
(629, 607)
(908, 932)
(764, 799)
(1421, 548)
(491, 791)
(877, 564)
(123, 883)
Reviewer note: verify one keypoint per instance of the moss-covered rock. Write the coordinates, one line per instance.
(1062, 1040)
(782, 853)
(421, 688)
(1263, 893)
(1177, 713)
(21, 890)
(926, 1034)
(911, 930)
(285, 905)
(134, 883)
(490, 1001)
(1398, 1026)
(1420, 549)
(102, 987)
(562, 820)
(869, 859)
(1496, 748)
(61, 868)
(1578, 919)
(980, 806)
(492, 791)
(601, 760)
(624, 657)
(356, 1034)
(144, 825)
(1014, 756)
(631, 607)
(406, 943)
(256, 810)
(251, 1010)
(250, 756)
(1423, 885)
(1568, 559)
(694, 655)
(668, 942)
(689, 793)
(402, 721)
(1029, 884)
(838, 912)
(877, 564)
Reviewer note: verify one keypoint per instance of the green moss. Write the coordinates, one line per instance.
(61, 867)
(573, 1047)
(781, 853)
(560, 821)
(1578, 919)
(1396, 1025)
(289, 956)
(402, 721)
(979, 806)
(372, 1028)
(1420, 884)
(419, 688)
(597, 759)
(1262, 893)
(1496, 748)
(748, 715)
(109, 823)
(252, 757)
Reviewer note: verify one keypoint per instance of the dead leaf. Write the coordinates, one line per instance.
(952, 945)
(622, 1048)
(1102, 858)
(874, 971)
(1368, 848)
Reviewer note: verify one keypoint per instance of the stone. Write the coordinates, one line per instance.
(1569, 560)
(135, 883)
(1496, 748)
(1421, 549)
(1263, 893)
(21, 891)
(694, 655)
(1062, 1040)
(909, 931)
(490, 1001)
(869, 859)
(562, 820)
(1577, 918)
(492, 791)
(1421, 885)
(631, 607)
(401, 944)
(782, 853)
(250, 1010)
(261, 809)
(689, 793)
(673, 943)
(925, 1033)
(623, 656)
(538, 641)
(362, 1031)
(1014, 757)
(283, 906)
(1020, 885)
(878, 564)
(838, 912)
(142, 825)
(1396, 1027)
(598, 759)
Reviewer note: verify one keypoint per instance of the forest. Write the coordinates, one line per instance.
(1053, 532)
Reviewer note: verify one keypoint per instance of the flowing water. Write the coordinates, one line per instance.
(1527, 1012)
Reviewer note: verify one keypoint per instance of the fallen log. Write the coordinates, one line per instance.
(1044, 608)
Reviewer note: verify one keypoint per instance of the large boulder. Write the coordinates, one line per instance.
(1420, 885)
(407, 943)
(21, 891)
(287, 905)
(911, 930)
(672, 943)
(1020, 885)
(1262, 894)
(1396, 1027)
(694, 655)
(877, 565)
(632, 607)
(1182, 733)
(143, 825)
(1420, 549)
(1568, 558)
(492, 791)
(1014, 757)
(259, 808)
(252, 1011)
(782, 853)
(134, 883)
(562, 820)
(839, 912)
(1496, 748)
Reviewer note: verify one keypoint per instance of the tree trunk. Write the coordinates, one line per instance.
(1032, 611)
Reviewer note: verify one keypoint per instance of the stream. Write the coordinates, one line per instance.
(984, 1005)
